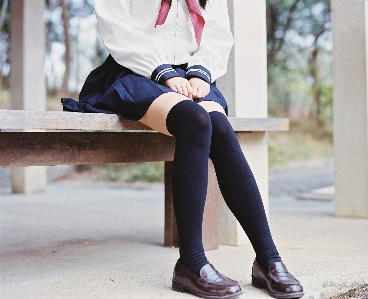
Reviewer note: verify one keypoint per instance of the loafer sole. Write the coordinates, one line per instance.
(179, 287)
(258, 283)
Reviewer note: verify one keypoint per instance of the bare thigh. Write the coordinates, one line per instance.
(211, 106)
(156, 115)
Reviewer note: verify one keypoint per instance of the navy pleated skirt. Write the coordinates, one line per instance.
(112, 88)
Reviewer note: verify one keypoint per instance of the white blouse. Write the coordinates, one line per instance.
(127, 28)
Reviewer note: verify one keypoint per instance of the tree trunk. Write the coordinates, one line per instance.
(272, 26)
(316, 89)
(4, 8)
(316, 86)
(1, 78)
(64, 91)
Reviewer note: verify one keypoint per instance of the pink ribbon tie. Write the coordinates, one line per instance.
(164, 11)
(194, 12)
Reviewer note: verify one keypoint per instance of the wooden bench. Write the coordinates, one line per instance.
(83, 138)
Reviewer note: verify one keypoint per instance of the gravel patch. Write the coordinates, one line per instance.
(358, 293)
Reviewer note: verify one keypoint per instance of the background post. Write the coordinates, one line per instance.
(27, 83)
(350, 101)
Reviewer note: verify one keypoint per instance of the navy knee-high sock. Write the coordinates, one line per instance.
(240, 190)
(190, 124)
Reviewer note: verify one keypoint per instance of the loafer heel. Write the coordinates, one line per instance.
(177, 287)
(257, 283)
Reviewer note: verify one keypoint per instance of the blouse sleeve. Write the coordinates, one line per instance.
(129, 47)
(210, 60)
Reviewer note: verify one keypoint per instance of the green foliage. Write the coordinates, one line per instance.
(293, 25)
(148, 172)
(326, 104)
(4, 43)
(132, 172)
(4, 99)
(300, 59)
(304, 141)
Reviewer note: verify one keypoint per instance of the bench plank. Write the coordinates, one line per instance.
(21, 149)
(59, 120)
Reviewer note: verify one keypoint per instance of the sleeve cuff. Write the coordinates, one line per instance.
(162, 73)
(198, 71)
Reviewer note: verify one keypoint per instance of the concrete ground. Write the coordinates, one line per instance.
(100, 240)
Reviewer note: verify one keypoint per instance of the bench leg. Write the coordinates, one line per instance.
(29, 179)
(210, 228)
(171, 232)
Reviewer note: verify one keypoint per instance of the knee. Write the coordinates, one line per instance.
(199, 120)
(189, 118)
(221, 127)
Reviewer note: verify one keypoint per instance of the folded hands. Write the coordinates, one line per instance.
(194, 88)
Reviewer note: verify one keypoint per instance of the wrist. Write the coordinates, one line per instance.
(162, 73)
(198, 71)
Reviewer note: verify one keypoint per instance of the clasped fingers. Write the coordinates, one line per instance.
(180, 85)
(200, 88)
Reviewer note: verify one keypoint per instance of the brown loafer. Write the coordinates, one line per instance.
(210, 284)
(279, 282)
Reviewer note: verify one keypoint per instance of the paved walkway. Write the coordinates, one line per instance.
(300, 178)
(83, 240)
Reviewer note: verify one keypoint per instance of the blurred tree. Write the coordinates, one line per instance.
(280, 16)
(60, 29)
(4, 39)
(64, 90)
(298, 32)
(3, 12)
(321, 23)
